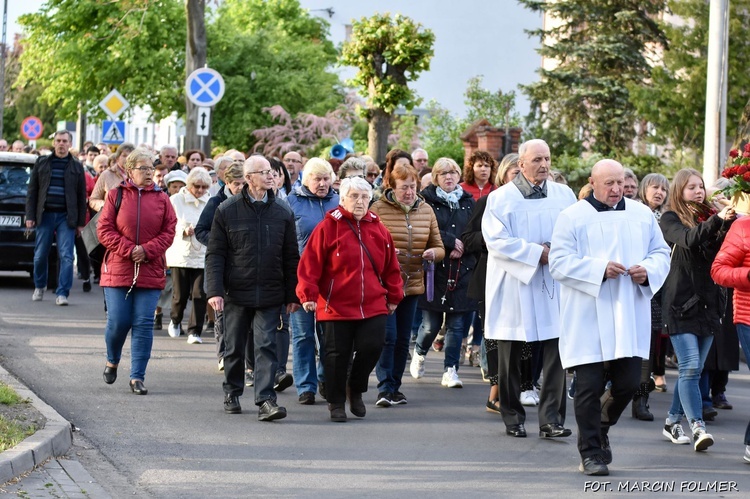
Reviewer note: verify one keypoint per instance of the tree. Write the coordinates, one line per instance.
(270, 52)
(678, 83)
(388, 51)
(195, 58)
(600, 48)
(496, 107)
(78, 50)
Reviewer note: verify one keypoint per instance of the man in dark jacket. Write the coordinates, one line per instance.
(251, 271)
(56, 206)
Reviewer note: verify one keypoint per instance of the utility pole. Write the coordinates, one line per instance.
(2, 67)
(714, 140)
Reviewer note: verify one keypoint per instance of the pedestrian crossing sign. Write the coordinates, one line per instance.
(113, 132)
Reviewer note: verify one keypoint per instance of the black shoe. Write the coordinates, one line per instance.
(322, 389)
(157, 322)
(554, 430)
(86, 285)
(493, 406)
(356, 405)
(307, 398)
(110, 374)
(338, 414)
(96, 280)
(269, 411)
(640, 408)
(210, 325)
(384, 399)
(516, 430)
(398, 398)
(606, 449)
(594, 465)
(232, 404)
(283, 381)
(709, 413)
(136, 386)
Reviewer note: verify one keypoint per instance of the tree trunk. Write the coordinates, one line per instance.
(377, 134)
(195, 58)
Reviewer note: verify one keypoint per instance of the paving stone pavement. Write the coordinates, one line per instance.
(58, 478)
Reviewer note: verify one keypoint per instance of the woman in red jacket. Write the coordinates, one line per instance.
(349, 275)
(136, 237)
(731, 269)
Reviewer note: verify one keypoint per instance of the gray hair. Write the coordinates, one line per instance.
(316, 167)
(60, 132)
(199, 174)
(419, 149)
(654, 179)
(522, 148)
(356, 183)
(629, 174)
(221, 160)
(125, 148)
(166, 147)
(353, 164)
(252, 160)
(138, 155)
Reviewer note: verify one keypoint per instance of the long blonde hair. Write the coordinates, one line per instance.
(678, 204)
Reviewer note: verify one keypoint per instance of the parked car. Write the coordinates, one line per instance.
(16, 245)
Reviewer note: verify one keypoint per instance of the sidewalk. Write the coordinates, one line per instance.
(55, 477)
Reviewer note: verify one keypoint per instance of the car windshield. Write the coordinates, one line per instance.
(14, 180)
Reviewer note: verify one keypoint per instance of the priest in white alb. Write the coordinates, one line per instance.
(522, 298)
(610, 258)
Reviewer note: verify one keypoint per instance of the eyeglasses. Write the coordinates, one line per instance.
(203, 187)
(145, 168)
(262, 172)
(373, 175)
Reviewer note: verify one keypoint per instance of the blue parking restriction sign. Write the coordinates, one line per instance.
(204, 87)
(113, 132)
(31, 128)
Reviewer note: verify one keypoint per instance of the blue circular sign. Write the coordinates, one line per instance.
(31, 128)
(204, 87)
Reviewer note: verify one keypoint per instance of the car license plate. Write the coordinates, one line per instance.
(10, 220)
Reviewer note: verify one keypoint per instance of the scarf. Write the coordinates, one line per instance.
(451, 197)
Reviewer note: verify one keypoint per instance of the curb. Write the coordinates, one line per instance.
(55, 439)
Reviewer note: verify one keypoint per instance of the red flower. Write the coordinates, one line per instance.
(743, 169)
(746, 154)
(734, 153)
(746, 176)
(747, 147)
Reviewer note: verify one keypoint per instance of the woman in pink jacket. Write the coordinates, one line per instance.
(136, 234)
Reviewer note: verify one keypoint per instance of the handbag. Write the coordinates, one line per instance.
(94, 248)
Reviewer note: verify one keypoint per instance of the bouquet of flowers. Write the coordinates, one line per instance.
(739, 175)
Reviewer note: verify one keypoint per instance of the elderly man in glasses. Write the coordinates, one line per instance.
(293, 163)
(251, 271)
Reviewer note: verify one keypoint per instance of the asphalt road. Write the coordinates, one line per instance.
(177, 441)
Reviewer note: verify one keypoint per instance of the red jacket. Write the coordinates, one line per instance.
(335, 272)
(474, 190)
(146, 218)
(731, 268)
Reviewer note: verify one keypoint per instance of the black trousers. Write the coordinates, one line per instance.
(552, 403)
(84, 263)
(364, 340)
(263, 322)
(594, 413)
(188, 284)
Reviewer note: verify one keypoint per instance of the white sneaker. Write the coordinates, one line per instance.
(221, 364)
(416, 368)
(675, 433)
(527, 398)
(535, 393)
(61, 300)
(451, 379)
(701, 439)
(38, 294)
(173, 330)
(193, 339)
(746, 457)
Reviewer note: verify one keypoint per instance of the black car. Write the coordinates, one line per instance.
(16, 244)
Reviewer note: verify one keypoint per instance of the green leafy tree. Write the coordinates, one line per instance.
(674, 99)
(389, 52)
(269, 52)
(601, 48)
(496, 107)
(442, 133)
(78, 50)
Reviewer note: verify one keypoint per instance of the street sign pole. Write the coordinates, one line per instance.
(204, 88)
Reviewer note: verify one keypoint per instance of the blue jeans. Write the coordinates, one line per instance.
(54, 225)
(390, 368)
(691, 351)
(304, 368)
(136, 314)
(743, 331)
(454, 333)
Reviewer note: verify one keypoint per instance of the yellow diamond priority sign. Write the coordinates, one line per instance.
(114, 104)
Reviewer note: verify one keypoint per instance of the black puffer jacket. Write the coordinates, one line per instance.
(691, 301)
(203, 227)
(452, 224)
(474, 242)
(252, 252)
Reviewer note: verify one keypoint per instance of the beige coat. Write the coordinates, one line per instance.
(109, 179)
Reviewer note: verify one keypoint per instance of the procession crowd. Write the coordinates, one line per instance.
(358, 267)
